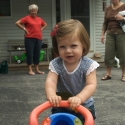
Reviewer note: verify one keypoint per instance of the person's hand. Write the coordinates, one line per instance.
(27, 32)
(119, 17)
(102, 39)
(55, 100)
(74, 102)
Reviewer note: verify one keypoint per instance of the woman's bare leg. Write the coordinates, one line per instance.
(108, 73)
(30, 70)
(37, 69)
(108, 70)
(123, 74)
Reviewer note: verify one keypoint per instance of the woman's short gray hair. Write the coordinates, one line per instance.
(33, 6)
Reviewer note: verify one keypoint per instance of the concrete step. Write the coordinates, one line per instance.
(44, 64)
(23, 66)
(100, 61)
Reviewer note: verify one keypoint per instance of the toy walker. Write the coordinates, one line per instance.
(60, 118)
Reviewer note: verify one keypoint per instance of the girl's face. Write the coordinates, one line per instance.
(70, 49)
(33, 12)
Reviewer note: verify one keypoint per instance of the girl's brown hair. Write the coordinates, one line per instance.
(70, 27)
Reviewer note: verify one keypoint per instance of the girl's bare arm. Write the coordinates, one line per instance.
(50, 89)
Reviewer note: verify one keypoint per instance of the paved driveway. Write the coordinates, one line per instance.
(20, 93)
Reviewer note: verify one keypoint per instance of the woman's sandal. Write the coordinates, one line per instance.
(39, 72)
(106, 77)
(31, 73)
(123, 79)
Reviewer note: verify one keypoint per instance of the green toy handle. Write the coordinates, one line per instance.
(23, 56)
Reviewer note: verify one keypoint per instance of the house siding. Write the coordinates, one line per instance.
(8, 29)
(99, 18)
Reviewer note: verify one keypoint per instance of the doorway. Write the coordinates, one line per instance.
(80, 11)
(83, 10)
(76, 9)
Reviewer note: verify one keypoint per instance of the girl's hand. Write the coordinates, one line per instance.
(55, 100)
(74, 102)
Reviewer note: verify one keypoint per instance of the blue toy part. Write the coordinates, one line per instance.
(64, 119)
